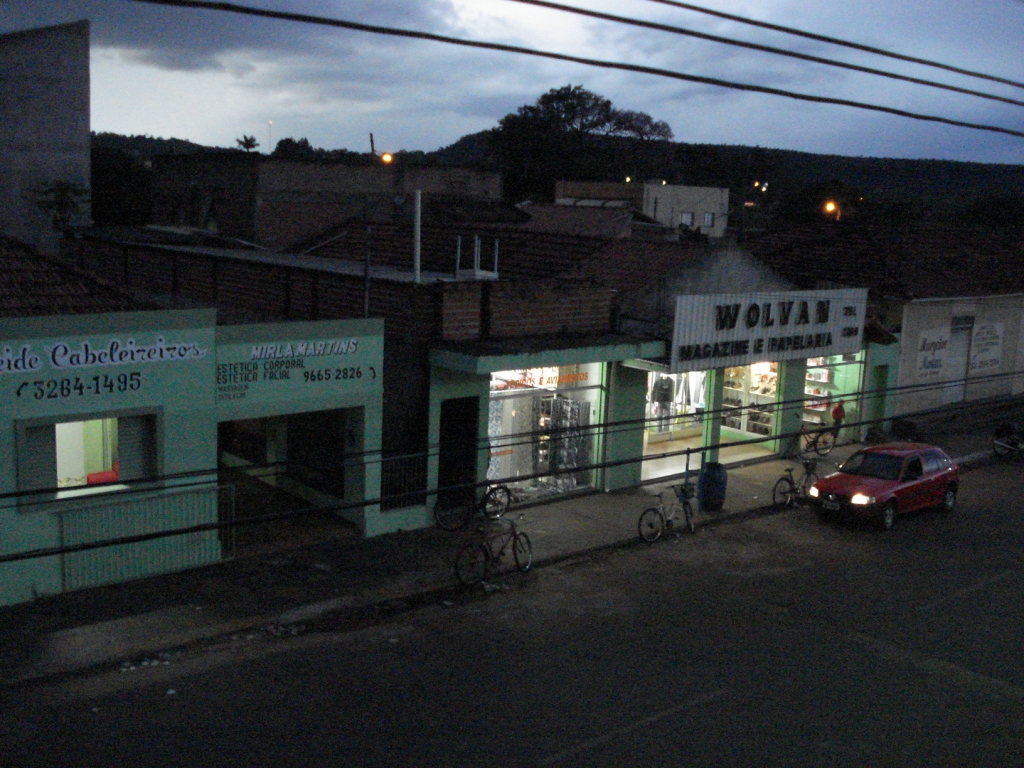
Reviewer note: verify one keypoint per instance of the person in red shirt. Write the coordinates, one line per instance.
(838, 414)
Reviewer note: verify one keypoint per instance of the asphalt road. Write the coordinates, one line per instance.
(777, 641)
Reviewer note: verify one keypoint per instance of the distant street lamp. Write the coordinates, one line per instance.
(270, 136)
(386, 158)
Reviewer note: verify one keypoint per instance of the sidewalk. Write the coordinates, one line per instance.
(128, 622)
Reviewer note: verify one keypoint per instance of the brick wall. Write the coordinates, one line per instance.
(542, 308)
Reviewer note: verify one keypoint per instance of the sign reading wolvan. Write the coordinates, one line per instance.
(729, 329)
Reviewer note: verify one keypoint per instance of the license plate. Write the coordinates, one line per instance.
(830, 504)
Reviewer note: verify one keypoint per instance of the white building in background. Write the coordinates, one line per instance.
(705, 209)
(44, 124)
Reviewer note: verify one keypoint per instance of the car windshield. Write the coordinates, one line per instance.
(877, 465)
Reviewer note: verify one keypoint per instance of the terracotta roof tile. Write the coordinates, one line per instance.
(912, 261)
(33, 285)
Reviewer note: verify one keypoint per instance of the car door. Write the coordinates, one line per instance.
(911, 489)
(934, 477)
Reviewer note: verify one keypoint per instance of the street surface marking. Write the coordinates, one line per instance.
(595, 742)
(975, 587)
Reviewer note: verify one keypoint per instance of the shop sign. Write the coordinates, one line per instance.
(986, 348)
(721, 330)
(299, 368)
(539, 378)
(932, 351)
(91, 369)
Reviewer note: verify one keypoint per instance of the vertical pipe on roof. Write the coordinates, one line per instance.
(476, 253)
(458, 254)
(495, 255)
(416, 235)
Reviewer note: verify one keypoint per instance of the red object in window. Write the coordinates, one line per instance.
(98, 478)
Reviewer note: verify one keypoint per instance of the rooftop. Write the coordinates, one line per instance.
(33, 285)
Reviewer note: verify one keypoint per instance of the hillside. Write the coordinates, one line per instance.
(886, 180)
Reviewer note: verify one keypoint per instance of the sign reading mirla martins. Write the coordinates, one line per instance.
(729, 329)
(267, 371)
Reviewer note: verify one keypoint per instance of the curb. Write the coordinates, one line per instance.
(381, 605)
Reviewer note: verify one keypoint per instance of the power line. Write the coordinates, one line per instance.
(600, 63)
(764, 48)
(837, 41)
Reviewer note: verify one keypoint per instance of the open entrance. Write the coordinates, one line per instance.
(309, 462)
(457, 447)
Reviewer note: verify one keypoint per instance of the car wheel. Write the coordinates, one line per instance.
(888, 516)
(949, 498)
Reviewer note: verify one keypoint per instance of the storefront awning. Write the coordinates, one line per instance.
(482, 357)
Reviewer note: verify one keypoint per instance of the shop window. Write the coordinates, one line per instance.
(748, 398)
(709, 219)
(830, 380)
(92, 455)
(543, 420)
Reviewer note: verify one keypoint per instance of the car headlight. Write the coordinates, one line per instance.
(812, 492)
(861, 500)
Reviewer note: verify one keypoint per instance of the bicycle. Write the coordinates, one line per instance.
(454, 516)
(819, 440)
(478, 558)
(788, 492)
(654, 520)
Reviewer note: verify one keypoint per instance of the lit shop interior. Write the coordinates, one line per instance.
(545, 420)
(86, 453)
(676, 404)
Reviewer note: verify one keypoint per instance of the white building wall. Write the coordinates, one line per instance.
(44, 123)
(669, 203)
(944, 359)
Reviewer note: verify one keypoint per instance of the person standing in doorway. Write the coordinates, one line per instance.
(838, 415)
(664, 391)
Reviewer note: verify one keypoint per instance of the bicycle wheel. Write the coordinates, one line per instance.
(688, 514)
(471, 563)
(453, 514)
(522, 551)
(825, 443)
(497, 501)
(651, 524)
(784, 493)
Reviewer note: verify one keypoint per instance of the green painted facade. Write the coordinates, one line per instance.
(273, 370)
(180, 375)
(159, 365)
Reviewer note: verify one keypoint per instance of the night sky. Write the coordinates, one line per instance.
(211, 77)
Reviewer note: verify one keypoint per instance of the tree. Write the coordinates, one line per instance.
(569, 133)
(640, 125)
(290, 149)
(63, 200)
(248, 143)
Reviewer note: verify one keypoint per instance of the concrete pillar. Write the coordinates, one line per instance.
(789, 417)
(714, 384)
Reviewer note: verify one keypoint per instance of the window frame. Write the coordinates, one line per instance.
(30, 493)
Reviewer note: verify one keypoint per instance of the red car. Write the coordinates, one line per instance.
(887, 480)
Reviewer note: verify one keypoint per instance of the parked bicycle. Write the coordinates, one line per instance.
(454, 514)
(479, 558)
(788, 491)
(1007, 441)
(654, 520)
(819, 440)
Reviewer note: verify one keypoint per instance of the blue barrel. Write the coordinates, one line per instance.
(711, 486)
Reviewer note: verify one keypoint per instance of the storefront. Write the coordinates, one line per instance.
(542, 424)
(533, 413)
(751, 367)
(109, 428)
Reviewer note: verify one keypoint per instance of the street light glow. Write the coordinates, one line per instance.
(386, 158)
